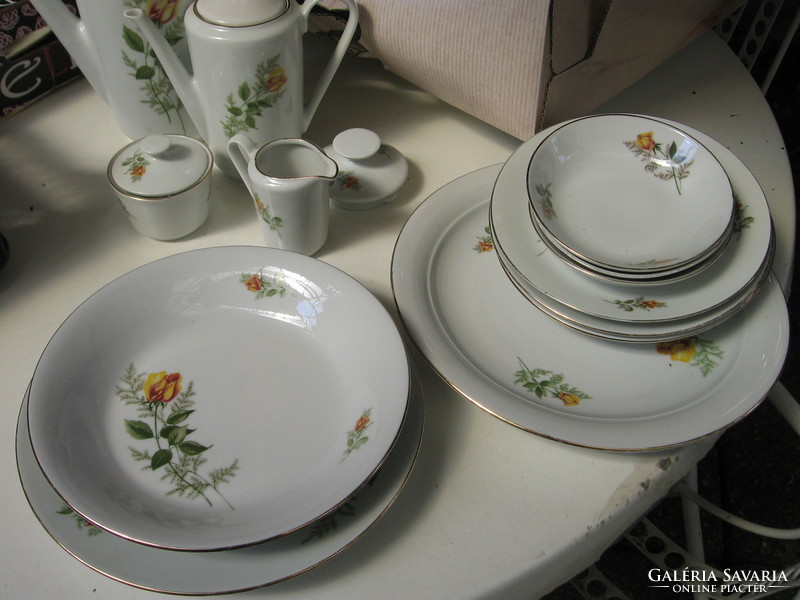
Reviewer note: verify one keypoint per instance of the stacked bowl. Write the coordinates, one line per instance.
(205, 418)
(631, 230)
(608, 286)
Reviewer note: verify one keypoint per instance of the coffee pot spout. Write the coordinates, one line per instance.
(71, 32)
(179, 76)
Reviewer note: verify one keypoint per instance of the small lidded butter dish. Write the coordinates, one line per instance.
(370, 172)
(163, 182)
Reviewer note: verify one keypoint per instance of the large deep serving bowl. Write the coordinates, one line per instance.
(630, 193)
(218, 398)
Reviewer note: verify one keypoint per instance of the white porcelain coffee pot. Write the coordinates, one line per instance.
(247, 68)
(118, 62)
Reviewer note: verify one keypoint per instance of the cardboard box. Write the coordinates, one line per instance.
(32, 61)
(522, 65)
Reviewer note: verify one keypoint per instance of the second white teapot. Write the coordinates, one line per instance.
(247, 63)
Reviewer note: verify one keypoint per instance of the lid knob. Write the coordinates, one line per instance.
(156, 145)
(357, 143)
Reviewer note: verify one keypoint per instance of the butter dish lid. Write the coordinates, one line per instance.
(160, 165)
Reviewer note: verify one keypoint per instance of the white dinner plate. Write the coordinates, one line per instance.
(623, 331)
(729, 275)
(490, 344)
(629, 192)
(218, 398)
(226, 571)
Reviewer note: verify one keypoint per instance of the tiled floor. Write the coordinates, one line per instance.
(754, 470)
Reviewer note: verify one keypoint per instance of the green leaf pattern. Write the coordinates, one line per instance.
(250, 99)
(144, 66)
(163, 421)
(357, 436)
(638, 303)
(648, 150)
(82, 524)
(546, 383)
(262, 285)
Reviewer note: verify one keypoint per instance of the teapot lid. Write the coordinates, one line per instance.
(160, 165)
(240, 13)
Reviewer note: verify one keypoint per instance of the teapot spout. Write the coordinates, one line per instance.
(180, 78)
(72, 34)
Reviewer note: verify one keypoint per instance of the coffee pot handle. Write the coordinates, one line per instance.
(335, 60)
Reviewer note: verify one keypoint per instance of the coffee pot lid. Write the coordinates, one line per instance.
(240, 13)
(159, 165)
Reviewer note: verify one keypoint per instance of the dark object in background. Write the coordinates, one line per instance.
(5, 251)
(32, 61)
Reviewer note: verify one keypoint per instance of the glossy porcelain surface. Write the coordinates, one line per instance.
(370, 172)
(734, 271)
(520, 365)
(228, 570)
(629, 192)
(118, 61)
(163, 183)
(635, 278)
(635, 331)
(246, 72)
(218, 398)
(288, 180)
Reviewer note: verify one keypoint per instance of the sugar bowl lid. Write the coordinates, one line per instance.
(160, 165)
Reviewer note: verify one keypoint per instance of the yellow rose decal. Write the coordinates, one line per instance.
(166, 430)
(162, 387)
(275, 80)
(162, 11)
(645, 141)
(248, 101)
(569, 399)
(682, 350)
(697, 351)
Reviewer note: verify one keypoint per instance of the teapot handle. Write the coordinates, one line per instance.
(335, 59)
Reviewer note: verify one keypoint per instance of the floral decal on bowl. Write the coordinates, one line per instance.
(546, 201)
(274, 223)
(91, 528)
(698, 352)
(136, 166)
(543, 382)
(741, 220)
(654, 262)
(163, 409)
(631, 304)
(347, 181)
(249, 100)
(667, 164)
(357, 436)
(158, 90)
(263, 286)
(485, 242)
(330, 522)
